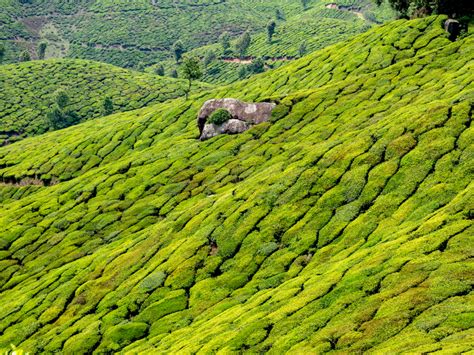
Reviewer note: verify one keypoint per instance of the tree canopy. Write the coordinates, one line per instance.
(454, 8)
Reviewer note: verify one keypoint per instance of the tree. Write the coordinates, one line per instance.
(242, 72)
(225, 42)
(62, 99)
(24, 56)
(243, 44)
(58, 117)
(108, 106)
(191, 71)
(279, 15)
(160, 70)
(271, 30)
(178, 50)
(302, 50)
(174, 73)
(2, 52)
(257, 66)
(42, 50)
(209, 58)
(455, 8)
(305, 4)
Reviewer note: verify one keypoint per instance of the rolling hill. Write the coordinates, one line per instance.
(137, 33)
(343, 225)
(28, 92)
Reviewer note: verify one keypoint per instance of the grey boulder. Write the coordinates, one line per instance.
(244, 115)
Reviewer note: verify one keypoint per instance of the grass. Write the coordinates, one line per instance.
(343, 225)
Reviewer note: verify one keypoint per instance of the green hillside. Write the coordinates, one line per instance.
(137, 33)
(28, 92)
(344, 225)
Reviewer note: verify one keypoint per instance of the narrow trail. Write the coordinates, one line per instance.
(249, 60)
(355, 10)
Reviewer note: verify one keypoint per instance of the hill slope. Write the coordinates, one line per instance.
(343, 225)
(28, 92)
(131, 33)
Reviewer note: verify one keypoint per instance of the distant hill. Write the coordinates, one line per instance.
(344, 225)
(139, 33)
(28, 92)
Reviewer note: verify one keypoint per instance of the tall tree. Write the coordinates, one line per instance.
(24, 56)
(225, 42)
(2, 52)
(302, 49)
(271, 30)
(178, 50)
(108, 106)
(58, 117)
(62, 99)
(243, 44)
(209, 58)
(305, 4)
(42, 50)
(191, 70)
(160, 70)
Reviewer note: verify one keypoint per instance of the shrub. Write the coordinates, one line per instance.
(219, 116)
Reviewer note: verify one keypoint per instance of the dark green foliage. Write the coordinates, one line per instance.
(302, 49)
(457, 8)
(108, 106)
(305, 4)
(225, 43)
(257, 66)
(191, 70)
(178, 50)
(242, 72)
(59, 118)
(219, 116)
(42, 50)
(271, 30)
(2, 52)
(160, 70)
(279, 15)
(243, 44)
(209, 58)
(24, 56)
(62, 99)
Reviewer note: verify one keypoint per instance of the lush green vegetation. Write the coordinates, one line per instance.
(344, 224)
(103, 31)
(219, 116)
(28, 91)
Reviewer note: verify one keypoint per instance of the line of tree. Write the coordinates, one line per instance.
(454, 8)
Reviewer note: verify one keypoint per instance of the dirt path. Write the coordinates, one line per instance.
(355, 11)
(250, 60)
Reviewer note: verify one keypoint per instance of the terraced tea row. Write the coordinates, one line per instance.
(344, 224)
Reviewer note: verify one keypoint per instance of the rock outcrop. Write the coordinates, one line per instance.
(244, 115)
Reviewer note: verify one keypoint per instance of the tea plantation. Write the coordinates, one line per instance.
(102, 30)
(28, 91)
(344, 225)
